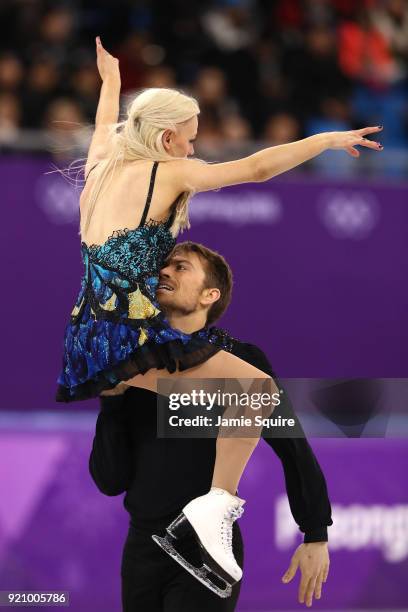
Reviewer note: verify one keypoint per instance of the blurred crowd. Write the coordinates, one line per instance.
(264, 70)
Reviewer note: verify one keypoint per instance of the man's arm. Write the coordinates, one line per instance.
(305, 483)
(110, 461)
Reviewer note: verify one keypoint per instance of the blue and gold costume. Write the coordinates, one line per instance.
(116, 329)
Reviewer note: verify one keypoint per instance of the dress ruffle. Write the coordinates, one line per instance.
(99, 360)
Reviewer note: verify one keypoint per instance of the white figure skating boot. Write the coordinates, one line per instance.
(208, 519)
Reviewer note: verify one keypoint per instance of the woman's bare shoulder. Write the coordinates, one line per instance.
(197, 175)
(176, 170)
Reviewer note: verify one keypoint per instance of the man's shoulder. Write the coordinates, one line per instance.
(252, 353)
(241, 345)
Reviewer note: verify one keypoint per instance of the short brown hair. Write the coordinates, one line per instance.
(217, 274)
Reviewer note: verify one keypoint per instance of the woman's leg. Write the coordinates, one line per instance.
(233, 453)
(209, 518)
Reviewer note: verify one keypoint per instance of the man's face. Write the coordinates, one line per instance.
(181, 285)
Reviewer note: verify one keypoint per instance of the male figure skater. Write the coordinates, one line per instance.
(160, 475)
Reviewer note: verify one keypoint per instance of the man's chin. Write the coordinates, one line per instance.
(170, 306)
(164, 297)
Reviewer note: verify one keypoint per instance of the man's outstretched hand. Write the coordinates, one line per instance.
(313, 561)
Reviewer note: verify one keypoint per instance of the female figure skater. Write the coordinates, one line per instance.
(117, 336)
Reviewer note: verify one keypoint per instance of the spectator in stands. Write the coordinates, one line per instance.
(64, 121)
(364, 53)
(390, 18)
(10, 115)
(160, 76)
(11, 72)
(41, 87)
(281, 128)
(246, 60)
(314, 71)
(132, 65)
(236, 130)
(56, 37)
(211, 89)
(85, 86)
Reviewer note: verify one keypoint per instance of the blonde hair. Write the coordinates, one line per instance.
(139, 136)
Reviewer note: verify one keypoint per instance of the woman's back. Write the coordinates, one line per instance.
(117, 329)
(122, 199)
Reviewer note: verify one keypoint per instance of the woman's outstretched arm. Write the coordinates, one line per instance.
(108, 106)
(194, 175)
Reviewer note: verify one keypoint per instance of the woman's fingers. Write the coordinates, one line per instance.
(99, 46)
(369, 130)
(353, 152)
(371, 144)
(351, 139)
(365, 142)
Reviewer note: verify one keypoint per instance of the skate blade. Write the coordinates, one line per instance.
(200, 573)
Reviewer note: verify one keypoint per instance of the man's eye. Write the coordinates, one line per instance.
(180, 267)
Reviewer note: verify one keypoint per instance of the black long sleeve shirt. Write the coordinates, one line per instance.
(161, 475)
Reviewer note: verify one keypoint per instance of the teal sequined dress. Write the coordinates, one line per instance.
(116, 329)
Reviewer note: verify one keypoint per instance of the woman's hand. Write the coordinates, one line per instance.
(348, 140)
(108, 65)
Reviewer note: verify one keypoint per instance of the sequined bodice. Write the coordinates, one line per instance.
(133, 253)
(121, 275)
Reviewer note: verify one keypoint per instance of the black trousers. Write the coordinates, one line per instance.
(153, 582)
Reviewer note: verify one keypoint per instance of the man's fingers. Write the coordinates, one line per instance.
(310, 590)
(303, 586)
(326, 572)
(318, 586)
(287, 577)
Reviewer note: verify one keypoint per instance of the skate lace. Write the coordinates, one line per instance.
(231, 515)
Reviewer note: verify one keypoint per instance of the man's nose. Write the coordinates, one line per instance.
(164, 272)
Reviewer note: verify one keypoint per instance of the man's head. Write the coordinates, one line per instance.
(195, 279)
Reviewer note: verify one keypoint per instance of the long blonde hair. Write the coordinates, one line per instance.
(139, 136)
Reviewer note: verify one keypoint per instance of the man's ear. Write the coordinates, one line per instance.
(210, 296)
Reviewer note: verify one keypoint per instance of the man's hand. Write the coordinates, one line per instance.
(313, 560)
